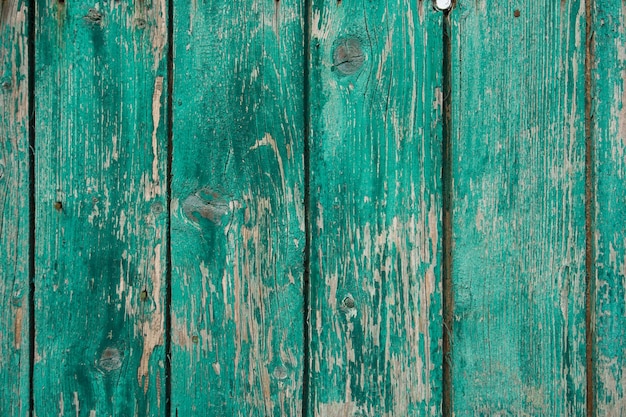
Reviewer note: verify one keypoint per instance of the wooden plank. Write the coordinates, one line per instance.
(518, 207)
(375, 156)
(101, 152)
(237, 208)
(14, 210)
(609, 137)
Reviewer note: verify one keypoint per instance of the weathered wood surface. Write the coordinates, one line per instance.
(375, 200)
(518, 208)
(101, 152)
(514, 171)
(14, 210)
(609, 139)
(237, 208)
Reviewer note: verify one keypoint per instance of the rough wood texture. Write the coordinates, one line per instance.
(101, 152)
(518, 215)
(237, 208)
(609, 138)
(14, 210)
(375, 144)
(514, 181)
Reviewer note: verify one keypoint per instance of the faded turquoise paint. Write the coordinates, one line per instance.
(237, 208)
(375, 221)
(517, 137)
(14, 210)
(609, 138)
(101, 153)
(516, 133)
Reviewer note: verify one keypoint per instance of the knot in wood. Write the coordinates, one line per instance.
(348, 302)
(208, 204)
(110, 360)
(348, 56)
(94, 17)
(280, 372)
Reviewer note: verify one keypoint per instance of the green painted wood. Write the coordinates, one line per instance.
(609, 138)
(237, 208)
(375, 196)
(14, 210)
(101, 152)
(518, 208)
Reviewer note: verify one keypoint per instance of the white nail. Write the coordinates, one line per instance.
(443, 4)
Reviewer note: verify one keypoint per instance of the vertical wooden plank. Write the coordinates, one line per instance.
(237, 208)
(518, 215)
(14, 210)
(609, 135)
(101, 152)
(375, 156)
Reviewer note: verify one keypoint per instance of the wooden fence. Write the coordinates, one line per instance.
(328, 208)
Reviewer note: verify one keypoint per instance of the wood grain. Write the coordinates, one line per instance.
(370, 77)
(375, 160)
(14, 210)
(518, 214)
(237, 208)
(101, 152)
(608, 92)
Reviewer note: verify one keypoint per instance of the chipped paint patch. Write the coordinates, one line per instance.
(155, 188)
(158, 32)
(17, 327)
(338, 409)
(152, 329)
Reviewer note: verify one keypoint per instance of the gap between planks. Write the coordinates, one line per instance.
(446, 185)
(589, 211)
(306, 284)
(31, 205)
(169, 123)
